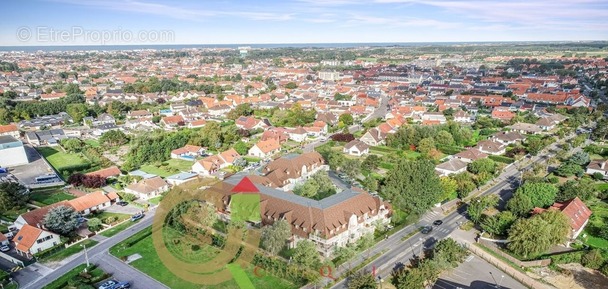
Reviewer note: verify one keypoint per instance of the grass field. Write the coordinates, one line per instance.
(598, 220)
(151, 264)
(104, 215)
(92, 142)
(48, 198)
(602, 186)
(118, 228)
(60, 255)
(168, 168)
(61, 160)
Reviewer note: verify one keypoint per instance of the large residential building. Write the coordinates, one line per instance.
(289, 170)
(330, 223)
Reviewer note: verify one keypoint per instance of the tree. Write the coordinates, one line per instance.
(498, 224)
(534, 145)
(538, 194)
(598, 176)
(444, 138)
(61, 220)
(530, 237)
(448, 186)
(72, 145)
(291, 85)
(88, 181)
(243, 109)
(593, 259)
(584, 188)
(361, 280)
(346, 119)
(241, 147)
(478, 205)
(94, 224)
(481, 166)
(113, 138)
(274, 237)
(13, 196)
(449, 249)
(351, 167)
(569, 169)
(309, 189)
(426, 145)
(371, 162)
(412, 185)
(344, 253)
(77, 111)
(324, 182)
(580, 158)
(305, 254)
(464, 183)
(342, 137)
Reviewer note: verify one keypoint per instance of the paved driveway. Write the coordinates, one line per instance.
(128, 209)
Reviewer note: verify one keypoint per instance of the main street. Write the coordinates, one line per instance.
(396, 249)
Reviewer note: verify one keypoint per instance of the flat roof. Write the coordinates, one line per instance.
(7, 139)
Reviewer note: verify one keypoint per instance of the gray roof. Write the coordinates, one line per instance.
(293, 198)
(7, 139)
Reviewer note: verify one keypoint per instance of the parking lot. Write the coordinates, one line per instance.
(476, 273)
(37, 167)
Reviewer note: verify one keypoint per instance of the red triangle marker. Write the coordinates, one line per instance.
(245, 186)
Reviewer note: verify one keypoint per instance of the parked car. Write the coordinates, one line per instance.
(5, 248)
(122, 285)
(108, 284)
(122, 203)
(437, 222)
(137, 217)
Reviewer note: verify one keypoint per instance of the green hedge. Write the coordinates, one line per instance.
(449, 150)
(62, 281)
(501, 159)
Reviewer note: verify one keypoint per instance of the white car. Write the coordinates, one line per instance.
(5, 248)
(108, 284)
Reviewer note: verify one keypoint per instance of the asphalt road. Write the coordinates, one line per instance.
(476, 273)
(395, 250)
(99, 255)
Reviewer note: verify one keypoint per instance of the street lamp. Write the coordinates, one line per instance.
(501, 277)
(86, 256)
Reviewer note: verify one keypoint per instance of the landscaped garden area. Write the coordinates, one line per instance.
(77, 278)
(168, 168)
(150, 263)
(64, 162)
(49, 197)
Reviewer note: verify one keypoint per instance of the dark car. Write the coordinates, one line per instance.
(137, 217)
(437, 222)
(122, 203)
(426, 230)
(122, 285)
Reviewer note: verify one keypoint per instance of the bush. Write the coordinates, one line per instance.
(553, 180)
(109, 220)
(604, 269)
(593, 259)
(566, 258)
(598, 176)
(501, 159)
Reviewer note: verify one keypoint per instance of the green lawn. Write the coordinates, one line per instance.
(598, 220)
(168, 168)
(61, 160)
(252, 159)
(60, 255)
(104, 215)
(602, 186)
(155, 200)
(92, 142)
(118, 228)
(151, 264)
(48, 198)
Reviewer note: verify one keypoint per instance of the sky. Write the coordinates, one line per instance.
(110, 22)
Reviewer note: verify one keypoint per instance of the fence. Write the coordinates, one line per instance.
(12, 259)
(533, 263)
(517, 275)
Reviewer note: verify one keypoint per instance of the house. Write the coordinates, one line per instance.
(598, 166)
(181, 178)
(470, 155)
(298, 134)
(111, 172)
(279, 136)
(104, 118)
(139, 114)
(330, 223)
(197, 123)
(93, 202)
(248, 123)
(10, 130)
(546, 123)
(373, 137)
(577, 212)
(491, 147)
(453, 166)
(502, 113)
(212, 164)
(525, 128)
(31, 240)
(507, 138)
(173, 121)
(187, 152)
(35, 217)
(287, 171)
(148, 188)
(356, 148)
(462, 117)
(264, 149)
